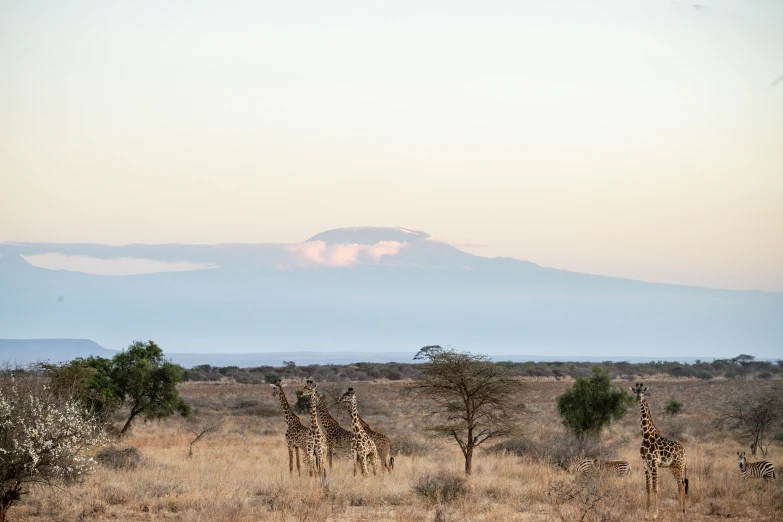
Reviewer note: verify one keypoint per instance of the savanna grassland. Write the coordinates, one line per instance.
(241, 472)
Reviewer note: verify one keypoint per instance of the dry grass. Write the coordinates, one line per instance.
(241, 473)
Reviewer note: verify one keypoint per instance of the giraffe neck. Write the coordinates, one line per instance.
(314, 411)
(326, 418)
(290, 418)
(357, 425)
(649, 430)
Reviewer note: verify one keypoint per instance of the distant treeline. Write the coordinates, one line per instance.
(740, 367)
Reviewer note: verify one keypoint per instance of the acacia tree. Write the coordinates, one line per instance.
(472, 398)
(44, 436)
(147, 383)
(755, 414)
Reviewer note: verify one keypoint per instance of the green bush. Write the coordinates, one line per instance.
(592, 403)
(673, 407)
(302, 405)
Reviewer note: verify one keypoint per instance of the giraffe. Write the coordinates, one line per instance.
(620, 467)
(761, 469)
(383, 444)
(362, 446)
(316, 442)
(335, 434)
(659, 452)
(296, 435)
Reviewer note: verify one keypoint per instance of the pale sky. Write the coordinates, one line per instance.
(634, 139)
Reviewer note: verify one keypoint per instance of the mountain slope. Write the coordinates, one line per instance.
(278, 298)
(24, 351)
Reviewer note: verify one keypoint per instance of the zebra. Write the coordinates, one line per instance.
(619, 467)
(760, 469)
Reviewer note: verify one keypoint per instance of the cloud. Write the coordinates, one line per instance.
(117, 266)
(318, 253)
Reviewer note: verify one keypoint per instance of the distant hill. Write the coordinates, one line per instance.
(371, 291)
(25, 351)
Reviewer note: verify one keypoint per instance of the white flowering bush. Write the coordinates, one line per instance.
(44, 437)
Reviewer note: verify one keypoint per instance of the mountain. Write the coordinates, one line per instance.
(372, 290)
(24, 351)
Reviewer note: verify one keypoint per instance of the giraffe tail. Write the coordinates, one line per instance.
(391, 463)
(685, 480)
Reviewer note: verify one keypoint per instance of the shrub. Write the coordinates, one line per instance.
(562, 450)
(44, 437)
(441, 487)
(120, 459)
(592, 403)
(271, 378)
(673, 407)
(302, 404)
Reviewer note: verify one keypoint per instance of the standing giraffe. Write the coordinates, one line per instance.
(659, 452)
(296, 435)
(362, 446)
(335, 434)
(761, 469)
(383, 444)
(316, 442)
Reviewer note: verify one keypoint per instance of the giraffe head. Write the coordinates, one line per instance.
(278, 388)
(638, 391)
(349, 397)
(741, 458)
(310, 387)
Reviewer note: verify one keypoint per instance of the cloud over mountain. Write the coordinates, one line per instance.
(319, 253)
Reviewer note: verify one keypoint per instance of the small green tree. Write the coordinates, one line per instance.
(87, 381)
(673, 407)
(302, 405)
(147, 382)
(592, 403)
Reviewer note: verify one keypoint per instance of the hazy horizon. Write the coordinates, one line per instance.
(615, 138)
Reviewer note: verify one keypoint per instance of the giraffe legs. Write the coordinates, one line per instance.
(364, 464)
(356, 462)
(654, 476)
(311, 460)
(329, 454)
(291, 457)
(651, 483)
(373, 458)
(679, 475)
(298, 471)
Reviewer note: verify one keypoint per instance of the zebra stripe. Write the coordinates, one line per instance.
(619, 467)
(760, 469)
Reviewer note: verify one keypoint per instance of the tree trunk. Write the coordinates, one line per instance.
(5, 503)
(6, 499)
(128, 423)
(469, 452)
(469, 459)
